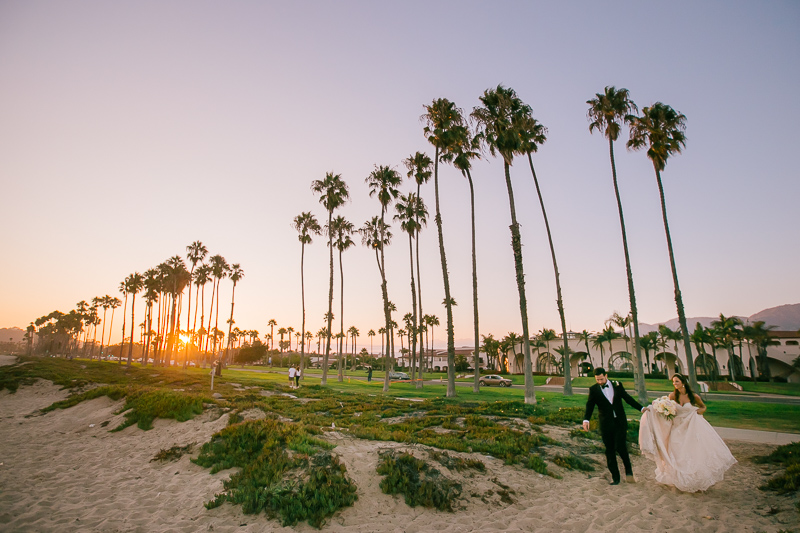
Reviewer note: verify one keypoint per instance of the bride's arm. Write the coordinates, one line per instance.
(701, 407)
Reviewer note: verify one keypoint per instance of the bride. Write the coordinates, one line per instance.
(688, 452)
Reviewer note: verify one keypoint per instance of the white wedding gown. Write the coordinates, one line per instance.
(687, 451)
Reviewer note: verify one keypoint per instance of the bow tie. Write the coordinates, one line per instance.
(605, 386)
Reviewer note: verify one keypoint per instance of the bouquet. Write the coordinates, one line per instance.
(665, 407)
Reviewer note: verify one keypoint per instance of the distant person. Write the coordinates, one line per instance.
(369, 373)
(297, 377)
(292, 375)
(607, 396)
(688, 452)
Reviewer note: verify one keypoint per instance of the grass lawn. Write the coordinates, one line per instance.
(745, 415)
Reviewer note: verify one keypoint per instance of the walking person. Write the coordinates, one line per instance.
(296, 376)
(607, 396)
(292, 375)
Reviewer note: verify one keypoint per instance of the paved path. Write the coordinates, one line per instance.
(762, 437)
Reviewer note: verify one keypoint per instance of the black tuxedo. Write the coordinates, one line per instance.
(613, 424)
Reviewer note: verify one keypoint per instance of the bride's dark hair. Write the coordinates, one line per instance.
(686, 386)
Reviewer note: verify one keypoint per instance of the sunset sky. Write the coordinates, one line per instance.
(129, 130)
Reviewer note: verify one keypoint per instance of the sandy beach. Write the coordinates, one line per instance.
(64, 471)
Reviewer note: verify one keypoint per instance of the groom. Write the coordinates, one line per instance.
(607, 396)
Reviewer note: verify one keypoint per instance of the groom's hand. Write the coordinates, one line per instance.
(586, 425)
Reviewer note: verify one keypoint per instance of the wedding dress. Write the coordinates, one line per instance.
(687, 451)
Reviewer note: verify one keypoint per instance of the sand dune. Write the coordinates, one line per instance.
(63, 471)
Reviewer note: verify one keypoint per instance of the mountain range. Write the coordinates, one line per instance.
(783, 317)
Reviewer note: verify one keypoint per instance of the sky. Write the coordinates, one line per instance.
(129, 130)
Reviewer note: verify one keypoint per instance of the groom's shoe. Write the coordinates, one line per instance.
(614, 482)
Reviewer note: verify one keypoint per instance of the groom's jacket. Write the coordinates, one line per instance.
(605, 408)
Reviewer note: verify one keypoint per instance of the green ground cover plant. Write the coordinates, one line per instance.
(787, 456)
(285, 472)
(418, 482)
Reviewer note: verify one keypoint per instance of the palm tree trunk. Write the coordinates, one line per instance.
(476, 387)
(559, 301)
(678, 299)
(340, 369)
(413, 333)
(122, 343)
(133, 328)
(420, 315)
(451, 348)
(516, 246)
(387, 358)
(330, 305)
(230, 324)
(303, 302)
(641, 386)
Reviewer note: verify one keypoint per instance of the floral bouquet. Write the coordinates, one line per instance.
(665, 407)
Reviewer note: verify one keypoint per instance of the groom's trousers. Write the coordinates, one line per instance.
(614, 433)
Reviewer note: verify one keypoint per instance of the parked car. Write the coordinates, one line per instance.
(394, 376)
(494, 379)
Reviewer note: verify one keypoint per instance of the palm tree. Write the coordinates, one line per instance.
(289, 332)
(606, 113)
(585, 336)
(135, 283)
(201, 278)
(412, 215)
(219, 269)
(444, 126)
(272, 323)
(195, 253)
(661, 130)
(419, 169)
(333, 193)
(728, 333)
(341, 229)
(375, 234)
(123, 288)
(235, 275)
(648, 342)
(106, 302)
(607, 335)
(306, 225)
(496, 123)
(700, 338)
(282, 332)
(533, 135)
(370, 334)
(431, 321)
(758, 334)
(464, 148)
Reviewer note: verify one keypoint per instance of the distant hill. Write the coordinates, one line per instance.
(784, 318)
(15, 334)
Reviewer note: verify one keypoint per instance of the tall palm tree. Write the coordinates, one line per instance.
(431, 321)
(412, 215)
(289, 331)
(533, 134)
(465, 148)
(607, 335)
(272, 323)
(495, 118)
(375, 234)
(607, 112)
(758, 334)
(235, 275)
(195, 253)
(105, 303)
(419, 168)
(444, 125)
(306, 225)
(342, 230)
(383, 183)
(370, 334)
(333, 193)
(728, 333)
(219, 270)
(123, 288)
(661, 130)
(201, 278)
(700, 338)
(135, 284)
(151, 286)
(585, 336)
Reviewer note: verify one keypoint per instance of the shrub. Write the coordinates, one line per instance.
(573, 462)
(142, 406)
(416, 481)
(309, 484)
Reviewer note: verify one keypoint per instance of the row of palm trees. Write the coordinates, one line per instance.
(163, 288)
(501, 125)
